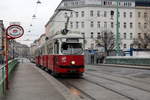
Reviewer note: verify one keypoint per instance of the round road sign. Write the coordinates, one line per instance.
(14, 31)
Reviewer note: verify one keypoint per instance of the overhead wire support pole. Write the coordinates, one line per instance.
(117, 30)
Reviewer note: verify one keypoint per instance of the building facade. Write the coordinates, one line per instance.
(92, 17)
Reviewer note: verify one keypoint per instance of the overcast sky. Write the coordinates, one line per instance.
(22, 11)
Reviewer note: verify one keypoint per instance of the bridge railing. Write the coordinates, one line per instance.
(11, 65)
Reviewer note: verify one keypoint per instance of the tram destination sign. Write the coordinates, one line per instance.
(14, 31)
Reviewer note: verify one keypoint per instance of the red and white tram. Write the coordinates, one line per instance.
(64, 54)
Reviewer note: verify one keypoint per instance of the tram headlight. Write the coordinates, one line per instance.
(73, 62)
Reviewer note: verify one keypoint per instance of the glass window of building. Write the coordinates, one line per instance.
(77, 24)
(98, 35)
(119, 24)
(124, 14)
(98, 13)
(82, 24)
(139, 14)
(83, 34)
(105, 14)
(91, 13)
(105, 24)
(139, 25)
(92, 35)
(145, 15)
(125, 35)
(92, 24)
(145, 25)
(71, 24)
(139, 35)
(131, 25)
(71, 14)
(124, 46)
(112, 25)
(131, 36)
(82, 13)
(98, 24)
(125, 25)
(131, 14)
(77, 14)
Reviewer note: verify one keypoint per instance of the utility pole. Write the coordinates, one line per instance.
(117, 30)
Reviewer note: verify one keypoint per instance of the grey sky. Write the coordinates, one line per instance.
(22, 11)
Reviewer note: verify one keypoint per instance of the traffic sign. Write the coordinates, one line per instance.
(14, 31)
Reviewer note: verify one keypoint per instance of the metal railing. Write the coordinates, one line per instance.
(11, 65)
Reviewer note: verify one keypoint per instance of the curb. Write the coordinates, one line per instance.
(124, 66)
(59, 86)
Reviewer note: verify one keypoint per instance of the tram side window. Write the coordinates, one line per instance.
(56, 47)
(50, 48)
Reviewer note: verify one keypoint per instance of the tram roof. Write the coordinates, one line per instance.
(69, 35)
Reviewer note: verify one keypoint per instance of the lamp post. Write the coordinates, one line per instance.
(117, 30)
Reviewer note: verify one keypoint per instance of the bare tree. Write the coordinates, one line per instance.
(106, 40)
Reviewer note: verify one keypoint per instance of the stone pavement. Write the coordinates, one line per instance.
(27, 83)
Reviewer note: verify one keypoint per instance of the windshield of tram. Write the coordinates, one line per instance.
(71, 48)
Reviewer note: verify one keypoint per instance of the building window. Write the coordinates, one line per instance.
(131, 25)
(98, 24)
(145, 15)
(83, 34)
(71, 14)
(77, 14)
(139, 35)
(91, 13)
(131, 36)
(131, 14)
(77, 24)
(98, 13)
(92, 24)
(125, 25)
(98, 35)
(119, 24)
(124, 14)
(139, 14)
(124, 46)
(125, 35)
(92, 35)
(105, 24)
(145, 25)
(82, 13)
(71, 24)
(82, 24)
(105, 14)
(112, 25)
(139, 25)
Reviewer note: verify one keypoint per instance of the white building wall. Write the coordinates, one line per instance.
(98, 5)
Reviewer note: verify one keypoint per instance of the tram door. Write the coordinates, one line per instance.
(56, 52)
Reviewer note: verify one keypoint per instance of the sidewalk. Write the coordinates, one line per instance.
(27, 83)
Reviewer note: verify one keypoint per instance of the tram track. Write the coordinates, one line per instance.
(119, 82)
(97, 70)
(83, 95)
(70, 85)
(116, 90)
(130, 98)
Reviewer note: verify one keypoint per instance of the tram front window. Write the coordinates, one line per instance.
(71, 48)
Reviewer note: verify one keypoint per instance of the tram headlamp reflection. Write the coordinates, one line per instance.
(73, 62)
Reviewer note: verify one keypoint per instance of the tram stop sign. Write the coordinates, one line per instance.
(14, 31)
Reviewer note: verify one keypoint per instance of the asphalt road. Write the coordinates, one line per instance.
(110, 83)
